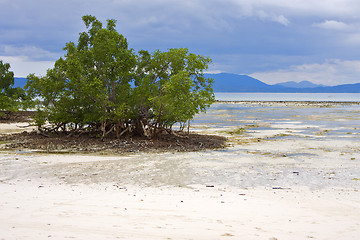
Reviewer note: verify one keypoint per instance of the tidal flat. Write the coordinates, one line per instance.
(289, 137)
(288, 171)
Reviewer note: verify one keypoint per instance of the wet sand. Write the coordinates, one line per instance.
(288, 172)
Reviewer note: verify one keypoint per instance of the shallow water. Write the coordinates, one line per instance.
(338, 121)
(346, 97)
(282, 145)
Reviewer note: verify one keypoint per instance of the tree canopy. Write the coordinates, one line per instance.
(10, 97)
(101, 85)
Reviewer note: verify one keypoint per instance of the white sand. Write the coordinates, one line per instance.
(290, 188)
(15, 127)
(106, 212)
(164, 197)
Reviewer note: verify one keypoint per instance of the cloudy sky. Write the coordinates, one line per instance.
(272, 40)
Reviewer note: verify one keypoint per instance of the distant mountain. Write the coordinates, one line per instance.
(227, 82)
(19, 82)
(303, 84)
(345, 88)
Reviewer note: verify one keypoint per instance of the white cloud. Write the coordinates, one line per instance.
(281, 19)
(331, 72)
(307, 7)
(34, 52)
(282, 10)
(22, 66)
(275, 18)
(333, 25)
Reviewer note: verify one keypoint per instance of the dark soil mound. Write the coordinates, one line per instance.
(85, 142)
(62, 142)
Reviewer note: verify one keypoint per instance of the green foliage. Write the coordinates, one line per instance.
(10, 97)
(102, 85)
(171, 87)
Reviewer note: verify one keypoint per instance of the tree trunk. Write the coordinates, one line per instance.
(139, 129)
(157, 123)
(103, 129)
(188, 127)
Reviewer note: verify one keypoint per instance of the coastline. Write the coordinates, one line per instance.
(287, 103)
(290, 173)
(301, 97)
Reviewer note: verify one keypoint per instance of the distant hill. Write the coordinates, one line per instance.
(303, 84)
(345, 88)
(19, 82)
(227, 82)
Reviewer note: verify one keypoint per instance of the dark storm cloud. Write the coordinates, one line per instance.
(262, 37)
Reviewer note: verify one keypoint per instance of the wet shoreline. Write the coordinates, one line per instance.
(290, 103)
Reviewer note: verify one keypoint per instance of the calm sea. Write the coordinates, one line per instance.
(333, 97)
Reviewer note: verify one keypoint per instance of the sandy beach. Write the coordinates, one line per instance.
(288, 172)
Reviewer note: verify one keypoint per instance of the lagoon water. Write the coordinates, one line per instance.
(283, 136)
(341, 119)
(326, 97)
(336, 111)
